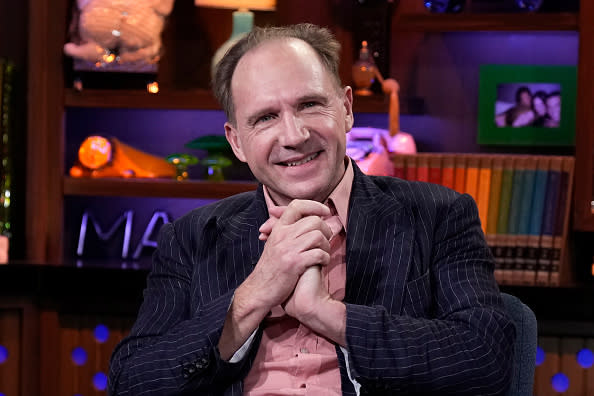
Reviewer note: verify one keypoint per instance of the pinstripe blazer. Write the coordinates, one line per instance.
(424, 314)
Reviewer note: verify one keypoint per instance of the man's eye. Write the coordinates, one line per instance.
(309, 104)
(265, 118)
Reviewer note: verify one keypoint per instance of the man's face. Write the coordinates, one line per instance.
(539, 106)
(291, 120)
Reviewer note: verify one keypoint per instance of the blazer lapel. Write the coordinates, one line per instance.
(241, 247)
(380, 237)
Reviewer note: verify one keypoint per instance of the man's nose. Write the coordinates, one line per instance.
(294, 132)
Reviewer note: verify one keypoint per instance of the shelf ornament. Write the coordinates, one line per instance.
(108, 33)
(217, 158)
(102, 157)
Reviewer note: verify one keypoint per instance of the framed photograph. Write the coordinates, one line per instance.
(527, 105)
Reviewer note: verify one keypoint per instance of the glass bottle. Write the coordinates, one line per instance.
(364, 71)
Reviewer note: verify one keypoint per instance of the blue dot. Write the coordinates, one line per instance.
(585, 358)
(560, 382)
(540, 356)
(3, 354)
(79, 356)
(100, 381)
(101, 333)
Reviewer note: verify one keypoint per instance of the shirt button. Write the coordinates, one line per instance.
(304, 350)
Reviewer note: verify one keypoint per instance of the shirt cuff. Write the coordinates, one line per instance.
(243, 350)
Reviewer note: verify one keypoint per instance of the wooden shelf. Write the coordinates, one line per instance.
(129, 99)
(155, 188)
(486, 22)
(202, 99)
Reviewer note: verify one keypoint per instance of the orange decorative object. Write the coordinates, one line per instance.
(102, 157)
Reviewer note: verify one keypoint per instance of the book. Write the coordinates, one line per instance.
(501, 238)
(536, 219)
(514, 221)
(472, 175)
(483, 190)
(543, 264)
(560, 267)
(399, 166)
(493, 211)
(460, 172)
(411, 167)
(435, 168)
(447, 171)
(423, 167)
(524, 214)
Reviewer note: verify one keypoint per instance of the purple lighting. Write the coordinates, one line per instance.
(585, 358)
(100, 381)
(3, 354)
(540, 356)
(101, 333)
(79, 356)
(560, 382)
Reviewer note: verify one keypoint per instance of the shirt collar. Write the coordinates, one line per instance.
(339, 197)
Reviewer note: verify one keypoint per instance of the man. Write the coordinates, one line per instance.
(324, 281)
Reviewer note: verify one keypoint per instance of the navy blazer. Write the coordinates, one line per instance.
(424, 314)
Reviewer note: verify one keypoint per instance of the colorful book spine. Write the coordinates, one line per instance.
(524, 221)
(501, 240)
(435, 168)
(411, 167)
(460, 170)
(399, 166)
(484, 191)
(543, 265)
(560, 269)
(448, 171)
(536, 218)
(423, 167)
(493, 212)
(472, 176)
(514, 222)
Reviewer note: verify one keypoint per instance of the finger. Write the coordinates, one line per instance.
(311, 241)
(267, 226)
(314, 257)
(299, 208)
(277, 211)
(311, 223)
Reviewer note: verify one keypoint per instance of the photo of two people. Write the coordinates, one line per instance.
(528, 105)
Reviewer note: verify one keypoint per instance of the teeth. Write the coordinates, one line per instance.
(303, 161)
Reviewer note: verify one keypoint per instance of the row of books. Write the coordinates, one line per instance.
(6, 81)
(523, 203)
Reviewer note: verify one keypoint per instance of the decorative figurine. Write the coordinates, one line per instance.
(181, 163)
(120, 31)
(217, 148)
(102, 157)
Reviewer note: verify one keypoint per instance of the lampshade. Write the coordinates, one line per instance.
(263, 5)
(243, 21)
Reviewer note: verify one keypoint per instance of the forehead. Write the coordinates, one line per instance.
(285, 63)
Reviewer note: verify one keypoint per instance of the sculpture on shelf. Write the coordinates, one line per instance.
(118, 31)
(217, 158)
(102, 157)
(181, 163)
(372, 147)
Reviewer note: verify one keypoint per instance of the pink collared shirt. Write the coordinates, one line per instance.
(292, 359)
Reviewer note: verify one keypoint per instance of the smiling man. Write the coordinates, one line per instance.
(324, 281)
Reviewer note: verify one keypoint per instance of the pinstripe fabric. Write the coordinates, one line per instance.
(424, 314)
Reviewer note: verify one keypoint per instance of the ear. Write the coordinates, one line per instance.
(232, 136)
(348, 107)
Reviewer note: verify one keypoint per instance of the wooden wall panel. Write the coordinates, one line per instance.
(10, 338)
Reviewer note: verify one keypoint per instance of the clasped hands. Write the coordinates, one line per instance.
(289, 270)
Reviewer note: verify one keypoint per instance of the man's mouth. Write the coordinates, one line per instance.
(303, 161)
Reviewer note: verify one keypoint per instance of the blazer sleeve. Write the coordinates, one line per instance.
(464, 347)
(170, 349)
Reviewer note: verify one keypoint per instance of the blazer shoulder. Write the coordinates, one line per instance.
(415, 193)
(226, 208)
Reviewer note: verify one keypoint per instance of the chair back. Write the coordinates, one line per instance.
(525, 346)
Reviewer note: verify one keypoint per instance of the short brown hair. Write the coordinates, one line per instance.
(319, 38)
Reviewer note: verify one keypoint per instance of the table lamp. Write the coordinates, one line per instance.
(243, 20)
